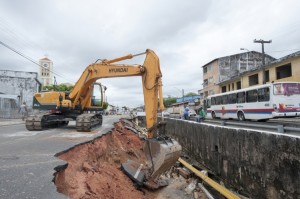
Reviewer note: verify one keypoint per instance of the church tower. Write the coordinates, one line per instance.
(45, 71)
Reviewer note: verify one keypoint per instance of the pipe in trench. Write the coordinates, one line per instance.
(225, 192)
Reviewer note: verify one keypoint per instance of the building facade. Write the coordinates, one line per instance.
(16, 87)
(45, 71)
(284, 69)
(226, 68)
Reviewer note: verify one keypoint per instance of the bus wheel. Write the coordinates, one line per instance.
(241, 116)
(213, 115)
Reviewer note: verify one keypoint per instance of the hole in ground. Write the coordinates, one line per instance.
(93, 169)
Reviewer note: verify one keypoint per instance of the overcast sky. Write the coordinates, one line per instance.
(184, 34)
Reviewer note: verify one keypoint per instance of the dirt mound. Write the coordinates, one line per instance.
(93, 169)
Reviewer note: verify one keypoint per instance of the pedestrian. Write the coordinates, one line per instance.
(23, 110)
(201, 115)
(186, 113)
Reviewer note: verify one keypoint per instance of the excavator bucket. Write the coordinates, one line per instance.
(162, 154)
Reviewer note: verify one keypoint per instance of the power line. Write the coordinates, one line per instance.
(30, 59)
(15, 37)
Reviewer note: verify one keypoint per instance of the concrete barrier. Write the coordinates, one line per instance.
(259, 164)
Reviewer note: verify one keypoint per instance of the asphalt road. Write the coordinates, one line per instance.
(27, 157)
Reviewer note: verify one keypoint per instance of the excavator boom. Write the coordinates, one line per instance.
(161, 152)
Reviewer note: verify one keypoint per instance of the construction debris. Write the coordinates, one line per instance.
(93, 170)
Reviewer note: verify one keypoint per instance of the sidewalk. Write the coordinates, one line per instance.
(6, 122)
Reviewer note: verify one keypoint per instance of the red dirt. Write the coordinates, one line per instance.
(94, 168)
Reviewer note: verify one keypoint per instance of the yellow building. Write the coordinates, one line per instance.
(284, 69)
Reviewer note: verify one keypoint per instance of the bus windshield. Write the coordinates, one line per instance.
(287, 89)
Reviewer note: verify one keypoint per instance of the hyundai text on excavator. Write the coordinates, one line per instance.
(162, 152)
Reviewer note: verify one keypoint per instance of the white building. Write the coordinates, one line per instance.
(45, 71)
(16, 87)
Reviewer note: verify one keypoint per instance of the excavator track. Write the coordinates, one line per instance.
(85, 122)
(40, 122)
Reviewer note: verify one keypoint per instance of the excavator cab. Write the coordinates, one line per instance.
(97, 95)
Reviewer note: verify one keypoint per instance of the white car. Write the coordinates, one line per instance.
(165, 113)
(192, 113)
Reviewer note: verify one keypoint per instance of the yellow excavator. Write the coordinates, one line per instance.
(80, 105)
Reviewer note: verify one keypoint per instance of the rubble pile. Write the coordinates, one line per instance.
(93, 170)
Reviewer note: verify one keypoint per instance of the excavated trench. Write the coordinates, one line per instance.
(93, 169)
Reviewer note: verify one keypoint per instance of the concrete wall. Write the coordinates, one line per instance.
(262, 165)
(19, 84)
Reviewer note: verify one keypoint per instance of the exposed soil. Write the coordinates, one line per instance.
(93, 169)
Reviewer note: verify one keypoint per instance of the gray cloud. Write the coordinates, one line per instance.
(185, 36)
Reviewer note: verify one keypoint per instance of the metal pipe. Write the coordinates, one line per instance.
(205, 191)
(225, 192)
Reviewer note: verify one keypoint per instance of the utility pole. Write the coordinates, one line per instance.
(182, 95)
(263, 56)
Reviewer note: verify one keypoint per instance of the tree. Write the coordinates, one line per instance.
(60, 87)
(169, 101)
(190, 94)
(105, 105)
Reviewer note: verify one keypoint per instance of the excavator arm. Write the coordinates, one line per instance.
(161, 152)
(151, 81)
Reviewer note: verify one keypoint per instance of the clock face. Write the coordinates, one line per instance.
(45, 65)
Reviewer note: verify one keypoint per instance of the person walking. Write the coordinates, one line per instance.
(186, 113)
(23, 110)
(201, 115)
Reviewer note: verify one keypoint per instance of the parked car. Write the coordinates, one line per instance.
(192, 113)
(165, 113)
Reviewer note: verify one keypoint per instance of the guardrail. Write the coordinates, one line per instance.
(280, 128)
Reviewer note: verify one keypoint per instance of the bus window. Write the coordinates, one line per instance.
(241, 97)
(208, 102)
(263, 94)
(218, 100)
(278, 90)
(251, 96)
(213, 101)
(225, 99)
(232, 98)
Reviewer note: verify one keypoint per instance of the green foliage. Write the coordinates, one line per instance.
(168, 101)
(60, 87)
(105, 105)
(190, 94)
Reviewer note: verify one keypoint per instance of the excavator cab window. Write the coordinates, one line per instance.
(97, 95)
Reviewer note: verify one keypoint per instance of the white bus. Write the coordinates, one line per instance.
(274, 100)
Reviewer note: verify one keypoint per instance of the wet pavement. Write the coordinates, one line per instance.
(5, 122)
(27, 158)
